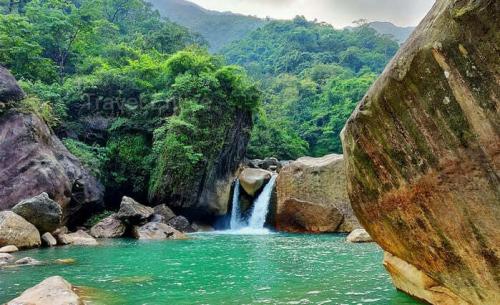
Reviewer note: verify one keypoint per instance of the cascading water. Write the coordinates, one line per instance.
(261, 206)
(258, 216)
(236, 221)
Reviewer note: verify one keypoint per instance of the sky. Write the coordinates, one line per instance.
(339, 13)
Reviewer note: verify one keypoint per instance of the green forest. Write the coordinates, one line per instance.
(312, 76)
(137, 97)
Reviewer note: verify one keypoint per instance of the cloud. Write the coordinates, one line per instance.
(337, 12)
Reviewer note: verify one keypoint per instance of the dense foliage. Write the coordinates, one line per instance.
(313, 76)
(133, 95)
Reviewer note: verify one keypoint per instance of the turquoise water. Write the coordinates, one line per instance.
(217, 269)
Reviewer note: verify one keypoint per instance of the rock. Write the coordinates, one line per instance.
(9, 249)
(181, 223)
(6, 258)
(79, 238)
(252, 180)
(202, 227)
(271, 164)
(206, 193)
(33, 161)
(110, 227)
(312, 196)
(49, 240)
(133, 212)
(416, 283)
(156, 231)
(9, 89)
(52, 291)
(164, 211)
(61, 230)
(422, 154)
(44, 213)
(359, 236)
(65, 261)
(16, 231)
(28, 261)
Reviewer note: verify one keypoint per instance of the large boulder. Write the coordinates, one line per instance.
(33, 160)
(164, 211)
(312, 196)
(9, 89)
(423, 156)
(156, 231)
(359, 236)
(78, 238)
(49, 240)
(16, 231)
(181, 224)
(252, 180)
(52, 291)
(132, 212)
(109, 227)
(44, 213)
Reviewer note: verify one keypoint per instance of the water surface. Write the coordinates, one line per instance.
(218, 269)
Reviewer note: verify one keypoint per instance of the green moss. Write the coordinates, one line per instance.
(93, 157)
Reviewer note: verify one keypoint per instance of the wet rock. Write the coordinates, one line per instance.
(6, 258)
(65, 261)
(16, 231)
(132, 212)
(78, 238)
(156, 231)
(28, 261)
(41, 211)
(52, 291)
(9, 249)
(359, 236)
(181, 223)
(252, 180)
(164, 211)
(110, 227)
(312, 196)
(422, 154)
(49, 240)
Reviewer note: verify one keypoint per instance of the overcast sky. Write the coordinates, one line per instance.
(337, 12)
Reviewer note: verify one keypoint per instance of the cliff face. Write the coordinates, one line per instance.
(423, 156)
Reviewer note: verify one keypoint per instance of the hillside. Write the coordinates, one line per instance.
(388, 28)
(218, 28)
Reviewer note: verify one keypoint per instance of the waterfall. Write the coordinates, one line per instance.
(261, 206)
(236, 222)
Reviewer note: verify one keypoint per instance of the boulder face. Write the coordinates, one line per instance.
(156, 231)
(9, 89)
(33, 160)
(44, 213)
(312, 196)
(52, 291)
(109, 227)
(133, 212)
(423, 154)
(16, 231)
(252, 180)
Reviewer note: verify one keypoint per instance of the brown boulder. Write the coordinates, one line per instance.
(109, 227)
(33, 160)
(52, 291)
(312, 196)
(132, 212)
(252, 180)
(44, 213)
(16, 231)
(78, 238)
(156, 231)
(423, 154)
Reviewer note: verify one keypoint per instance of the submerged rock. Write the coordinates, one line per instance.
(28, 261)
(423, 155)
(49, 240)
(9, 249)
(52, 291)
(16, 231)
(109, 227)
(78, 238)
(252, 180)
(6, 258)
(133, 212)
(34, 160)
(156, 231)
(44, 213)
(359, 236)
(312, 196)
